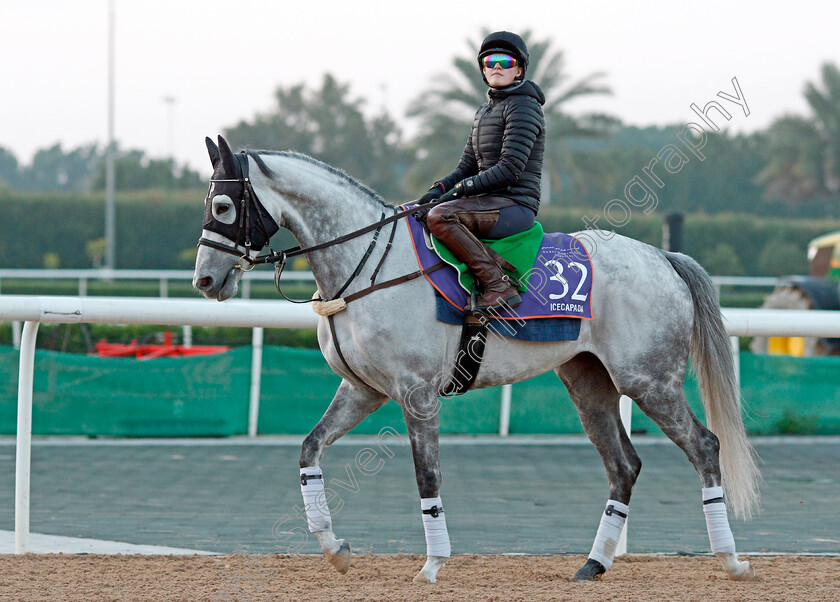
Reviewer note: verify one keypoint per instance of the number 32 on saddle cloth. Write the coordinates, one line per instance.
(559, 283)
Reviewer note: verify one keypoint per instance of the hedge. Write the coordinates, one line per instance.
(159, 230)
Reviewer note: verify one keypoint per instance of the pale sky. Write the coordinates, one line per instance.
(222, 60)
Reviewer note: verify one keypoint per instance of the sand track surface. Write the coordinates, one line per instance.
(310, 578)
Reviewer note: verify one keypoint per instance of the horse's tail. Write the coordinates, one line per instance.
(711, 360)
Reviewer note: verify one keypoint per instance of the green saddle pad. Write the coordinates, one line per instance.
(519, 249)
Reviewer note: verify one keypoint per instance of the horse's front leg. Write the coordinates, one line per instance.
(420, 408)
(349, 407)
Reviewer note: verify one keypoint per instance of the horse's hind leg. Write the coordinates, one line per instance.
(666, 405)
(349, 407)
(597, 401)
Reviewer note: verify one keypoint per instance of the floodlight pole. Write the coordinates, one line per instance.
(170, 135)
(110, 234)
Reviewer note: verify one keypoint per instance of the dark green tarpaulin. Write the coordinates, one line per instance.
(208, 396)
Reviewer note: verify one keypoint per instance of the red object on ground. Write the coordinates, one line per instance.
(149, 351)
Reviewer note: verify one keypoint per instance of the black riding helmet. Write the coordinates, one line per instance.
(504, 41)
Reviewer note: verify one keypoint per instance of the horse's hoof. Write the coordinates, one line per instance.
(590, 571)
(747, 573)
(428, 574)
(421, 578)
(736, 570)
(341, 559)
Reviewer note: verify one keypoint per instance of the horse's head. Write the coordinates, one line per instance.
(235, 223)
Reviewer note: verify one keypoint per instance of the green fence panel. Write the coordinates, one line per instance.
(474, 412)
(208, 396)
(298, 386)
(791, 395)
(780, 395)
(168, 397)
(542, 405)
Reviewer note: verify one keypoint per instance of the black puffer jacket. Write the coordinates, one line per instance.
(504, 153)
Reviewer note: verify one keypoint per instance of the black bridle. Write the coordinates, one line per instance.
(244, 228)
(279, 258)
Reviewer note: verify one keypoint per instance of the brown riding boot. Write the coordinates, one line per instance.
(498, 292)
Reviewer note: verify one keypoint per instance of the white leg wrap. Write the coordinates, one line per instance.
(717, 523)
(437, 537)
(606, 540)
(314, 500)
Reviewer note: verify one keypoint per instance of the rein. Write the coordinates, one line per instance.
(279, 258)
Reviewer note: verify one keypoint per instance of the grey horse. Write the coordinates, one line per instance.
(652, 309)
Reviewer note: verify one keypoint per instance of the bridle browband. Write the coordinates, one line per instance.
(279, 258)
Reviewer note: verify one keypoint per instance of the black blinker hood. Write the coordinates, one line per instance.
(236, 186)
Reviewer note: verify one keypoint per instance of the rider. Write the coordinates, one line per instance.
(494, 191)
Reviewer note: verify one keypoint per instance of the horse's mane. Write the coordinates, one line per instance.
(343, 175)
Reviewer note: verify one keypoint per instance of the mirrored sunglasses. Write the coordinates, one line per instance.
(505, 61)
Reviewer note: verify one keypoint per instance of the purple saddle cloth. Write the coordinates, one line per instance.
(558, 295)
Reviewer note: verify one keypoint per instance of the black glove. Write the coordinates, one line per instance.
(435, 192)
(456, 192)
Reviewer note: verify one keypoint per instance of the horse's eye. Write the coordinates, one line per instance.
(223, 209)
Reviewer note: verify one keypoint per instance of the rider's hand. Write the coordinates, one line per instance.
(435, 192)
(421, 215)
(456, 192)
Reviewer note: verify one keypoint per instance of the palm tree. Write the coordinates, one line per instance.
(826, 107)
(794, 169)
(446, 114)
(804, 152)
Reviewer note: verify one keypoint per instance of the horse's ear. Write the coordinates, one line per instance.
(229, 164)
(213, 150)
